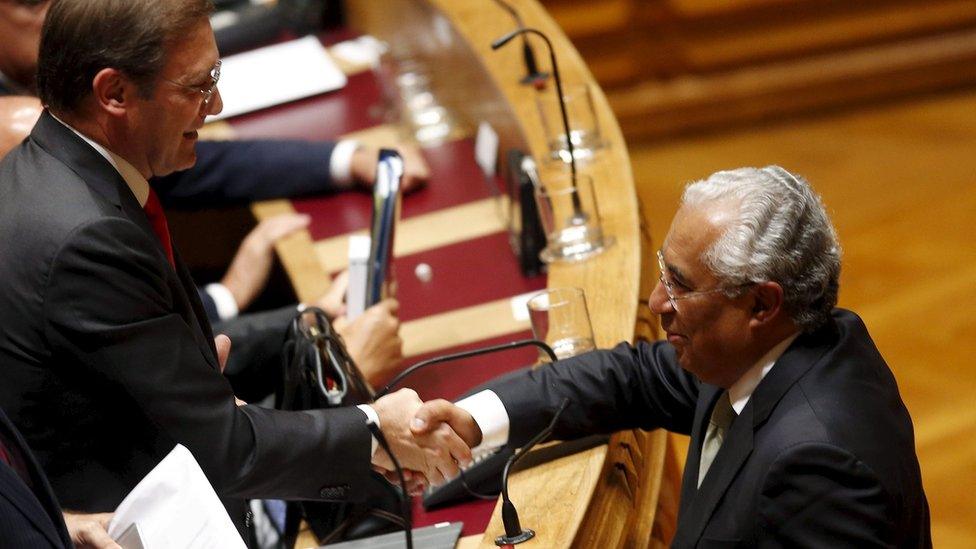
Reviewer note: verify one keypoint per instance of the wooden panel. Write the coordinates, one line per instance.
(651, 55)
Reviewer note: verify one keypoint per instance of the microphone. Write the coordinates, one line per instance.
(579, 218)
(465, 354)
(514, 534)
(532, 74)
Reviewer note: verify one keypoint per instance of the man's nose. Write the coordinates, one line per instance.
(658, 302)
(216, 103)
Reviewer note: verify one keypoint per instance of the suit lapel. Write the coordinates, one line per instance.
(707, 396)
(101, 176)
(39, 505)
(698, 505)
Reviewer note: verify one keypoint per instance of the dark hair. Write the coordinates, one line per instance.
(30, 2)
(82, 37)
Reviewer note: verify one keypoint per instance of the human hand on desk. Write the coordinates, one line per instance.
(434, 454)
(373, 341)
(251, 266)
(415, 169)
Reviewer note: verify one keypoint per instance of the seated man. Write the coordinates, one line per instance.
(106, 356)
(799, 437)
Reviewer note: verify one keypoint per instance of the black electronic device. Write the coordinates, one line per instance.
(242, 25)
(524, 227)
(483, 478)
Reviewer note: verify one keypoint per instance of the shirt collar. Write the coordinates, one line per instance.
(133, 179)
(741, 390)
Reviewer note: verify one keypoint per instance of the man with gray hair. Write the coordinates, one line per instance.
(106, 356)
(799, 437)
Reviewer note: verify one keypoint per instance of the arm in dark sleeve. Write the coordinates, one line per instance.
(623, 388)
(818, 495)
(110, 310)
(256, 361)
(239, 172)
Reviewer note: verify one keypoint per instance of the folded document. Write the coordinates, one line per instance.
(174, 506)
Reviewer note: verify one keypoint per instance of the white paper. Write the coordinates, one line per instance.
(176, 507)
(486, 149)
(276, 74)
(358, 275)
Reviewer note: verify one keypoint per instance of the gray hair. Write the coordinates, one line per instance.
(781, 234)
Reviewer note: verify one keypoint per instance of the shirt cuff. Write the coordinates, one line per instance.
(490, 415)
(371, 417)
(223, 299)
(340, 164)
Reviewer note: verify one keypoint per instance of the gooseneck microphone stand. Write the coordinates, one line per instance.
(466, 354)
(514, 533)
(579, 218)
(532, 75)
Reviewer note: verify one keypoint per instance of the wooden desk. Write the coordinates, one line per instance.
(623, 493)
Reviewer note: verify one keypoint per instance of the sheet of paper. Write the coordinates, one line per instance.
(276, 74)
(175, 507)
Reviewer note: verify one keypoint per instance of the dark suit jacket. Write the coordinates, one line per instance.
(822, 455)
(30, 516)
(107, 360)
(254, 367)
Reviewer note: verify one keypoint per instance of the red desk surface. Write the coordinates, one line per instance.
(464, 274)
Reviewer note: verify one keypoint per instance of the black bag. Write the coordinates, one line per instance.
(318, 373)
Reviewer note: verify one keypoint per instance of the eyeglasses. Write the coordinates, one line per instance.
(676, 295)
(208, 91)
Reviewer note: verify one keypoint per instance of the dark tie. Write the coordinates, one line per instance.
(154, 211)
(718, 426)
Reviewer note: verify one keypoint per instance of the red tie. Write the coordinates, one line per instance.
(154, 211)
(15, 461)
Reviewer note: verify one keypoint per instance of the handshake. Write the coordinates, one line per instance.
(431, 440)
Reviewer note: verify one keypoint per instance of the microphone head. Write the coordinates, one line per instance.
(505, 39)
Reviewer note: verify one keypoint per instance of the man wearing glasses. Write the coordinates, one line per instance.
(799, 437)
(106, 356)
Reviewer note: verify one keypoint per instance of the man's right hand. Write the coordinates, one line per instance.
(249, 270)
(436, 453)
(435, 413)
(373, 341)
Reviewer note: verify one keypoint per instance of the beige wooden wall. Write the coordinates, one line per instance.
(673, 65)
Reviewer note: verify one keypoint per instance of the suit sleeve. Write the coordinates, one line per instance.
(254, 367)
(239, 172)
(111, 311)
(819, 495)
(623, 388)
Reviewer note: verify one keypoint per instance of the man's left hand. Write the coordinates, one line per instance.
(416, 173)
(90, 531)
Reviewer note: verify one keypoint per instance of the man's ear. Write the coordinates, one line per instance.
(112, 92)
(767, 302)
